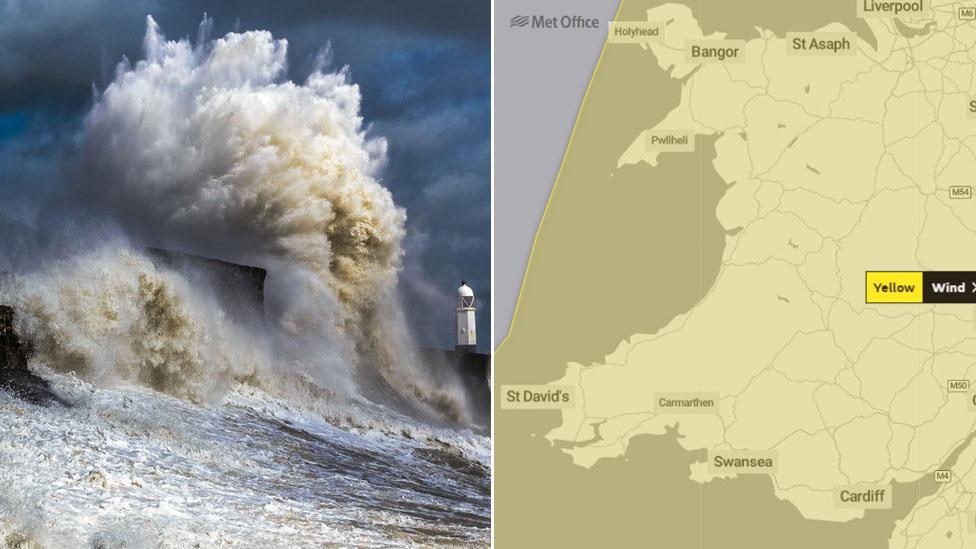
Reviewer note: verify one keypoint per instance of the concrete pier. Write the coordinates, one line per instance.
(238, 288)
(474, 372)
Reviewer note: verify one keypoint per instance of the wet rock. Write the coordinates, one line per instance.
(15, 377)
(13, 355)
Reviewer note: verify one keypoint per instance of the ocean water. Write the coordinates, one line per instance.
(132, 467)
(309, 423)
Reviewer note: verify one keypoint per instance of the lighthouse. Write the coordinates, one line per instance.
(467, 340)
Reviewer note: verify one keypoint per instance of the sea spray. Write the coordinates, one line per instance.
(209, 149)
(269, 442)
(111, 315)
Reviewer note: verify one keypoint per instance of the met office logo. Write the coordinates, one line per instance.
(553, 22)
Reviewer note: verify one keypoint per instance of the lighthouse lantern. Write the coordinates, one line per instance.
(467, 339)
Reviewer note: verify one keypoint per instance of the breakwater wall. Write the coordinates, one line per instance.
(239, 290)
(474, 372)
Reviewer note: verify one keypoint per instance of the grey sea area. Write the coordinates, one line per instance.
(541, 75)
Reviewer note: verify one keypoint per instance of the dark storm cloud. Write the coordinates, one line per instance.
(50, 47)
(423, 68)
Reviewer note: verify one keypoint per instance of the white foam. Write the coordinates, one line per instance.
(132, 464)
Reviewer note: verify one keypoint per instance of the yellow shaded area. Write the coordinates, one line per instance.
(893, 287)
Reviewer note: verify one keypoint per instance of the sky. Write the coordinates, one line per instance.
(423, 69)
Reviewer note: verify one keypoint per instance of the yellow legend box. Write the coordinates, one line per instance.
(893, 287)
